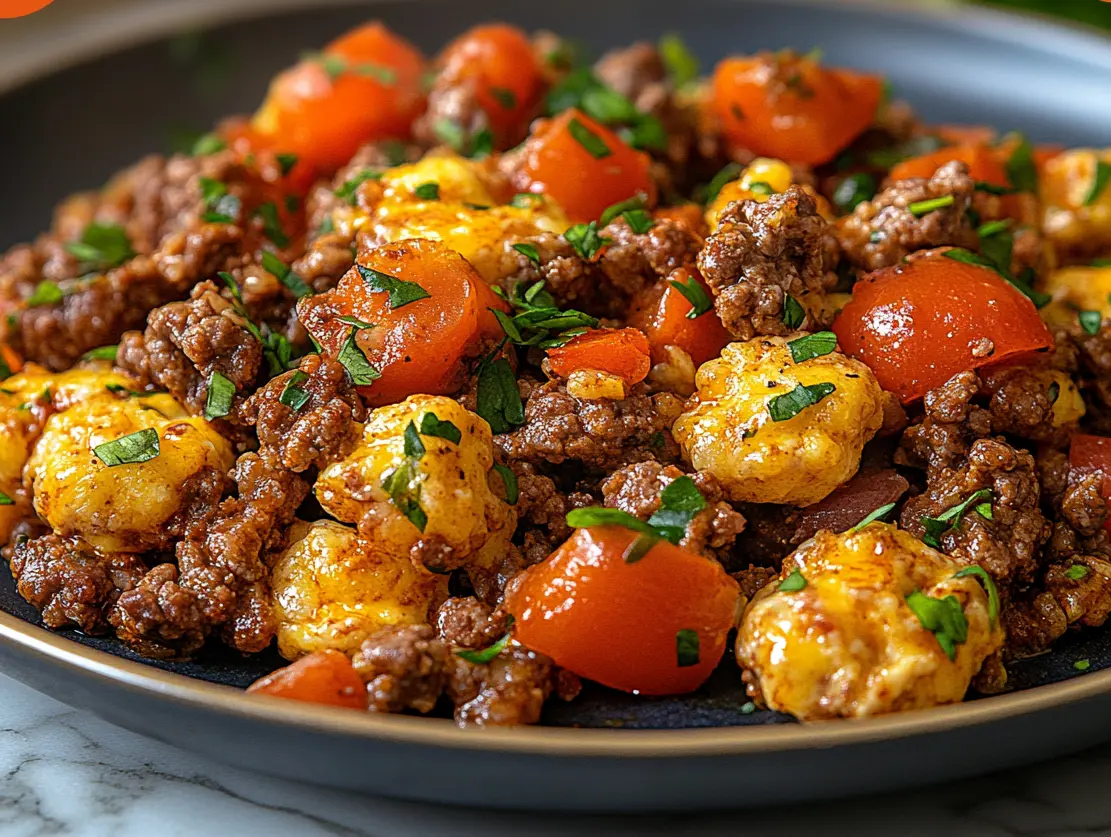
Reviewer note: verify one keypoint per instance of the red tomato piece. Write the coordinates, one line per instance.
(619, 623)
(661, 313)
(500, 61)
(916, 325)
(618, 351)
(582, 165)
(423, 346)
(789, 106)
(323, 677)
(367, 85)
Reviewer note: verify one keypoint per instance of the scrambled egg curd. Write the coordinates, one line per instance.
(867, 622)
(773, 429)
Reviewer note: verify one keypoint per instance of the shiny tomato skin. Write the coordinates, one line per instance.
(617, 623)
(791, 108)
(326, 677)
(324, 117)
(916, 324)
(423, 347)
(500, 61)
(661, 313)
(555, 163)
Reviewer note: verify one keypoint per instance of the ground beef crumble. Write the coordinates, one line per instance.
(760, 254)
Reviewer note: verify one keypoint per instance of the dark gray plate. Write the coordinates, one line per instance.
(71, 129)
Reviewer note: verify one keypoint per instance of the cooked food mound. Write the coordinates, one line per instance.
(461, 380)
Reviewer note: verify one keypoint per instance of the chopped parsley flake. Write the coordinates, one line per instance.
(812, 346)
(1100, 178)
(794, 582)
(682, 65)
(431, 425)
(292, 395)
(528, 251)
(730, 172)
(509, 480)
(401, 291)
(1021, 171)
(620, 208)
(686, 648)
(45, 293)
(208, 144)
(487, 654)
(1090, 321)
(989, 587)
(1077, 572)
(854, 190)
(360, 369)
(285, 274)
(350, 188)
(951, 518)
(101, 353)
(695, 294)
(221, 393)
(793, 313)
(101, 247)
(498, 399)
(133, 448)
(586, 240)
(944, 618)
(272, 224)
(789, 405)
(595, 146)
(1082, 665)
(428, 191)
(5, 500)
(873, 516)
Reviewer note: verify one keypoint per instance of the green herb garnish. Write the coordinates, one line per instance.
(794, 582)
(728, 173)
(529, 251)
(873, 516)
(349, 190)
(1021, 171)
(207, 144)
(812, 346)
(360, 369)
(854, 190)
(1082, 665)
(285, 274)
(944, 618)
(920, 208)
(506, 97)
(793, 313)
(221, 393)
(286, 162)
(681, 63)
(1077, 572)
(101, 247)
(428, 191)
(487, 654)
(695, 294)
(621, 207)
(586, 241)
(101, 353)
(131, 449)
(509, 480)
(272, 224)
(292, 395)
(951, 518)
(595, 146)
(1100, 179)
(686, 648)
(789, 405)
(1090, 321)
(45, 293)
(431, 425)
(401, 292)
(498, 399)
(989, 587)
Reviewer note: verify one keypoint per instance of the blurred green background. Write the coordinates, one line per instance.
(1092, 12)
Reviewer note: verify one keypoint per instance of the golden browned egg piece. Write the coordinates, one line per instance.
(331, 589)
(1076, 204)
(27, 400)
(440, 492)
(849, 643)
(750, 425)
(123, 506)
(448, 198)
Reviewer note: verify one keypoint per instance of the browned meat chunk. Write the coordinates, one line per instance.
(185, 342)
(636, 489)
(469, 623)
(70, 583)
(317, 427)
(760, 254)
(403, 668)
(597, 432)
(883, 231)
(1007, 544)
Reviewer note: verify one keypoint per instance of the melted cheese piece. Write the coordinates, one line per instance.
(124, 508)
(332, 588)
(848, 644)
(728, 430)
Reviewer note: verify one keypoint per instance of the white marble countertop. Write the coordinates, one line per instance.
(65, 772)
